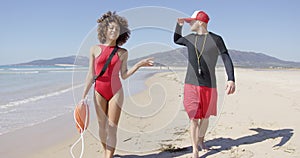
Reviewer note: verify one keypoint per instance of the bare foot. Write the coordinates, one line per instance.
(202, 144)
(104, 154)
(195, 154)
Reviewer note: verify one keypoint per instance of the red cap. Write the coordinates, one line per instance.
(198, 15)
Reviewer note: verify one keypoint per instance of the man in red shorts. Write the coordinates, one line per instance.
(200, 93)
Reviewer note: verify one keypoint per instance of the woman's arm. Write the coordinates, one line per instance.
(125, 73)
(90, 75)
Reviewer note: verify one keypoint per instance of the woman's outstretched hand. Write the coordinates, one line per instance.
(146, 62)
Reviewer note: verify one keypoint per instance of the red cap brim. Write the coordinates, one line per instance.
(188, 20)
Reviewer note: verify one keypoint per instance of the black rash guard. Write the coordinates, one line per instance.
(214, 46)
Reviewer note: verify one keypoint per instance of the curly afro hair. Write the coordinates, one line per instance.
(103, 23)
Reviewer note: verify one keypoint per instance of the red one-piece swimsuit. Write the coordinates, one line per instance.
(109, 83)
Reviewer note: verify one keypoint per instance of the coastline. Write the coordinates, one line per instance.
(257, 121)
(29, 140)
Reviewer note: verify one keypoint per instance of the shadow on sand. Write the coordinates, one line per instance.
(225, 143)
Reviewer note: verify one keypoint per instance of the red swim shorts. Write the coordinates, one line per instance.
(200, 101)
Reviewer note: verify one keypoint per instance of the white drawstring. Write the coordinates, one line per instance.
(82, 131)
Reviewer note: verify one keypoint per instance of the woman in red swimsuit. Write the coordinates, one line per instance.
(108, 95)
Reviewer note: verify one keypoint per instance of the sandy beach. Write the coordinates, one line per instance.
(259, 120)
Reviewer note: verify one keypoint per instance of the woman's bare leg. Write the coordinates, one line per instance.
(202, 131)
(194, 127)
(114, 111)
(101, 111)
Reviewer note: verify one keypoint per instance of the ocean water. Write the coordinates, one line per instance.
(30, 95)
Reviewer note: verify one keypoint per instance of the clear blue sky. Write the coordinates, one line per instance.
(35, 29)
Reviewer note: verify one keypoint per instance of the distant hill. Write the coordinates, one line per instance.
(70, 60)
(259, 60)
(178, 57)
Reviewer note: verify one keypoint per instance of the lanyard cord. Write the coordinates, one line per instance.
(82, 131)
(202, 49)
